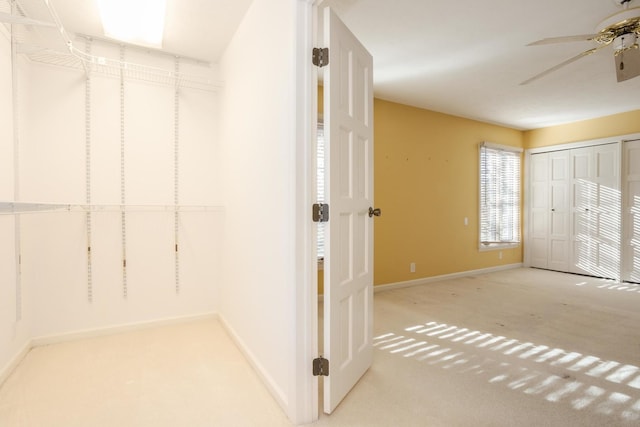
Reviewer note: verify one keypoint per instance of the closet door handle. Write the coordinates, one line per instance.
(376, 212)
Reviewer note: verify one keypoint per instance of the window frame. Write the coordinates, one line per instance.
(507, 244)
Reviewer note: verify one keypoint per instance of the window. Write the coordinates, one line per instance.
(499, 196)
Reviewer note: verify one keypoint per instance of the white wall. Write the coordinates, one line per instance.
(54, 170)
(54, 245)
(257, 296)
(249, 246)
(14, 333)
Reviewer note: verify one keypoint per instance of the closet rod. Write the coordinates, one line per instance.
(12, 208)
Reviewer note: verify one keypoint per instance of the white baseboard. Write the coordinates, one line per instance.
(116, 329)
(13, 363)
(264, 376)
(425, 280)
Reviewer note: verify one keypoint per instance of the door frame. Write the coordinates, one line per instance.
(305, 409)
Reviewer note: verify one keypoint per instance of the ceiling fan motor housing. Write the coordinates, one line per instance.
(625, 22)
(624, 42)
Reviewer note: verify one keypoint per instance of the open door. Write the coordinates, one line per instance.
(348, 291)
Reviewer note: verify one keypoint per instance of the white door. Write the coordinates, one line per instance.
(559, 234)
(348, 292)
(583, 190)
(631, 251)
(549, 234)
(539, 210)
(596, 210)
(606, 213)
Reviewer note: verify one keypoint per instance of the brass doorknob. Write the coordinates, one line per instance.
(376, 212)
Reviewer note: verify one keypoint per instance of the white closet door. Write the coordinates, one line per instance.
(559, 230)
(596, 210)
(539, 211)
(549, 211)
(583, 190)
(631, 248)
(606, 212)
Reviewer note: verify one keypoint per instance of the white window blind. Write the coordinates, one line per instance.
(499, 195)
(320, 185)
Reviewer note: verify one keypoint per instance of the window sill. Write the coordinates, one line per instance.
(497, 246)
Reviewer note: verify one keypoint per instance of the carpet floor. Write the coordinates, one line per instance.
(520, 347)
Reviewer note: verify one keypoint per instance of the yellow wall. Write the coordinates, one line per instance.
(426, 183)
(618, 124)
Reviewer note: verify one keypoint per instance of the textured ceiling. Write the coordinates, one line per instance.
(468, 58)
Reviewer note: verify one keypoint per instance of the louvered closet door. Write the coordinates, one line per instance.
(631, 248)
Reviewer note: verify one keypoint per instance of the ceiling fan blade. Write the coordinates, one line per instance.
(627, 64)
(563, 39)
(562, 64)
(16, 19)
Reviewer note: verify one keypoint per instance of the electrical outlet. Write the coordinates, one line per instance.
(500, 255)
(466, 221)
(412, 267)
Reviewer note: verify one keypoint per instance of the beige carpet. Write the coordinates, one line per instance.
(521, 347)
(516, 348)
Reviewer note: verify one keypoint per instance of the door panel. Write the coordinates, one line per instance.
(559, 232)
(539, 210)
(583, 198)
(606, 211)
(549, 211)
(348, 122)
(631, 244)
(596, 210)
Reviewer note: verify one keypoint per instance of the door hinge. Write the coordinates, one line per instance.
(320, 212)
(320, 57)
(320, 367)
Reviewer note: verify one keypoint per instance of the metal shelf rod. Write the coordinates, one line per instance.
(13, 208)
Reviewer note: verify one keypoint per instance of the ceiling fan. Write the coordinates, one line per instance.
(621, 30)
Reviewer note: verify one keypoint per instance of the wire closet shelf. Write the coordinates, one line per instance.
(12, 208)
(41, 37)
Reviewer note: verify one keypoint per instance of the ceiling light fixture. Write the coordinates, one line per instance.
(134, 21)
